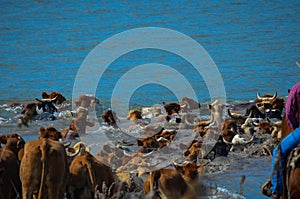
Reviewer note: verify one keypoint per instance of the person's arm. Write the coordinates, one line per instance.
(291, 110)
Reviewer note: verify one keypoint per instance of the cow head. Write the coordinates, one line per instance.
(230, 124)
(86, 101)
(193, 150)
(189, 170)
(228, 135)
(82, 113)
(134, 115)
(50, 133)
(190, 103)
(166, 134)
(271, 105)
(172, 108)
(110, 118)
(46, 105)
(149, 143)
(79, 124)
(59, 98)
(13, 142)
(77, 150)
(267, 98)
(264, 127)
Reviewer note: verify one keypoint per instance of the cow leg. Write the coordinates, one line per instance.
(54, 191)
(27, 194)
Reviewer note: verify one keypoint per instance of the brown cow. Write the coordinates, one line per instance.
(58, 97)
(273, 103)
(51, 133)
(43, 109)
(230, 124)
(87, 176)
(190, 104)
(10, 185)
(14, 143)
(201, 127)
(44, 169)
(86, 101)
(79, 124)
(134, 115)
(159, 140)
(169, 183)
(193, 150)
(110, 118)
(172, 108)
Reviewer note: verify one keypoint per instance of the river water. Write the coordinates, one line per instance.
(254, 46)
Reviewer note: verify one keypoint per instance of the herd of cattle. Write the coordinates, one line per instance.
(52, 167)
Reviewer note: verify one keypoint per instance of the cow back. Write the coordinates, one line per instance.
(285, 128)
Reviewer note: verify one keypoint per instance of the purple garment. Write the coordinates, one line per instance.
(292, 106)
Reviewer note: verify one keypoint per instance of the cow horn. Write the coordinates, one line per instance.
(250, 114)
(71, 155)
(230, 114)
(176, 164)
(126, 153)
(44, 100)
(258, 96)
(275, 95)
(211, 119)
(186, 121)
(148, 154)
(162, 139)
(54, 98)
(66, 144)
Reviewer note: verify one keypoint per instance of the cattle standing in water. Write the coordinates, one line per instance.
(11, 154)
(81, 121)
(110, 118)
(172, 109)
(193, 150)
(87, 176)
(44, 109)
(181, 183)
(86, 101)
(134, 115)
(15, 143)
(271, 106)
(44, 169)
(9, 175)
(189, 104)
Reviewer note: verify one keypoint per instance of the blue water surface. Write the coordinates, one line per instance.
(255, 45)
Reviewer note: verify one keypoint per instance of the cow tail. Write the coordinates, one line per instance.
(155, 175)
(91, 173)
(44, 151)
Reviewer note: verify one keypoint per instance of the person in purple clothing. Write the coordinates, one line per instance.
(274, 187)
